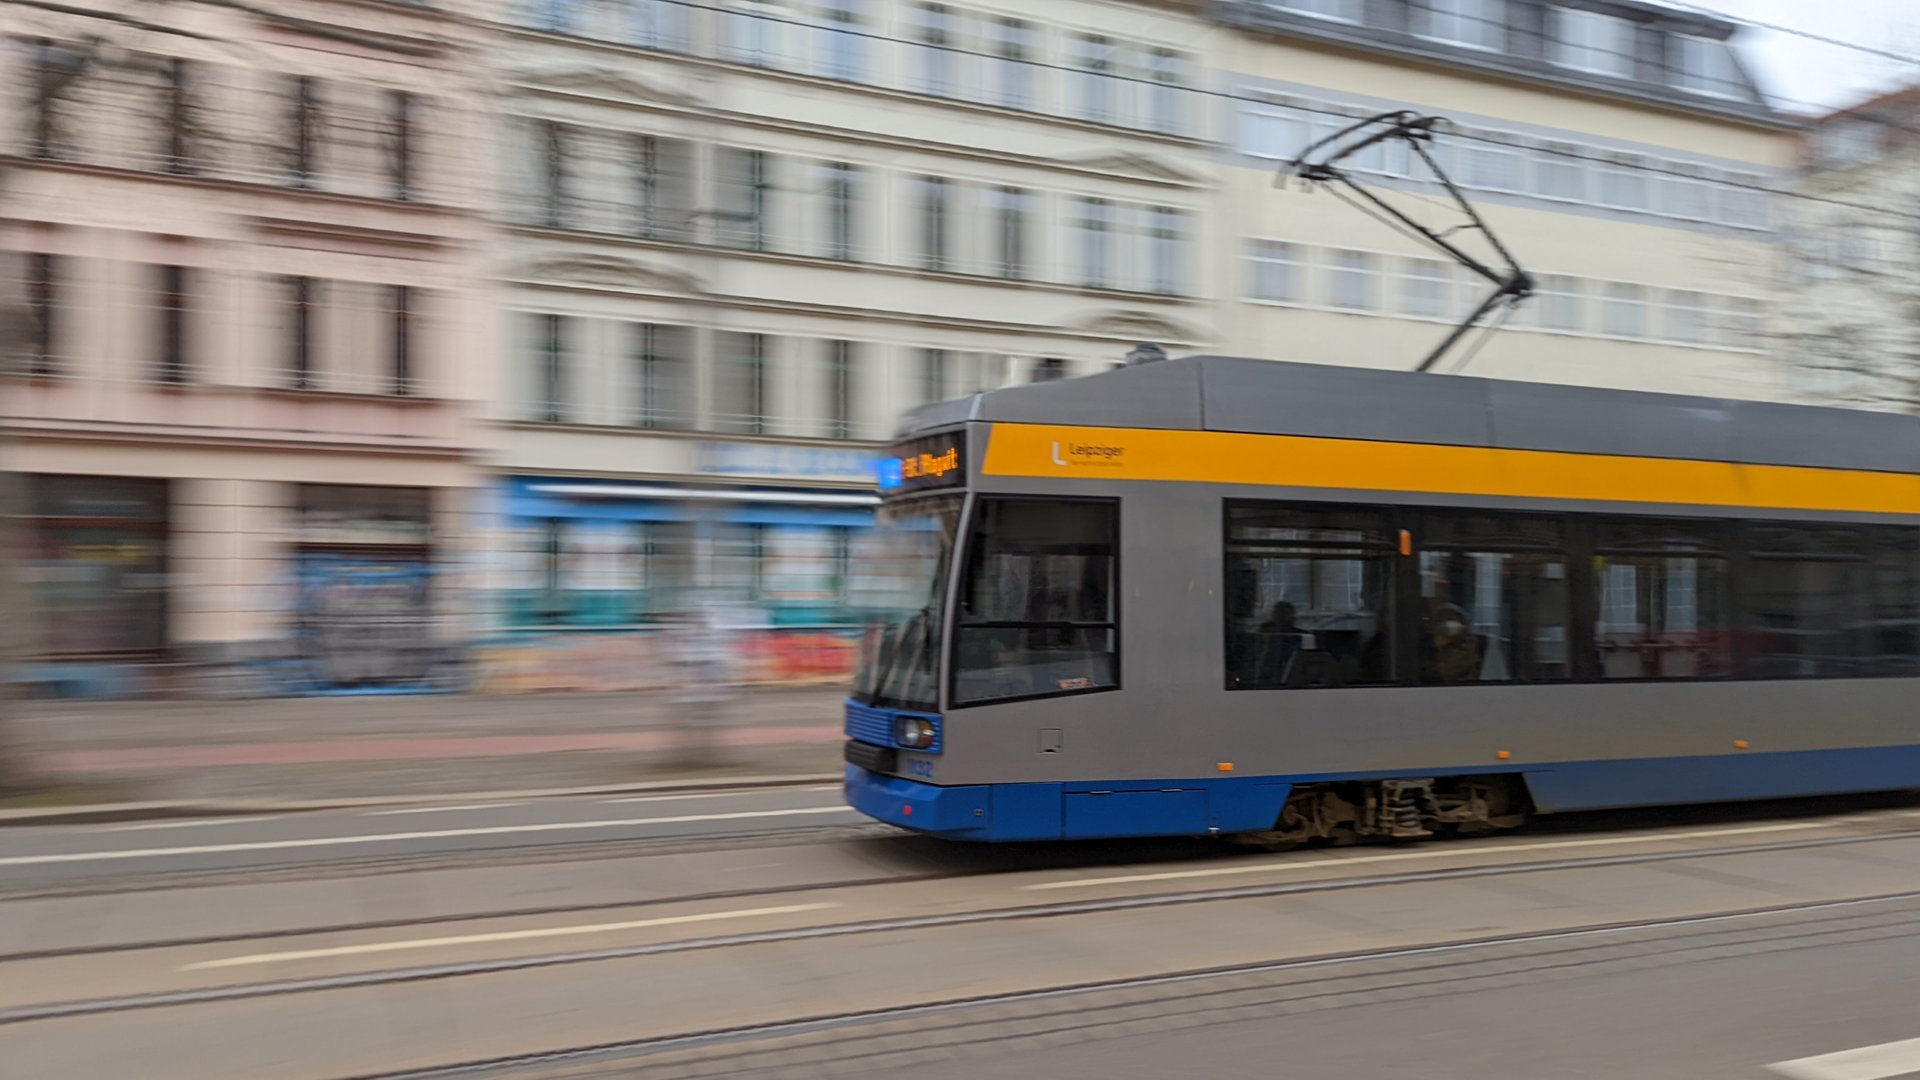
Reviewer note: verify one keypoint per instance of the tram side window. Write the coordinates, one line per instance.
(1808, 598)
(1037, 604)
(1494, 593)
(1309, 596)
(1661, 609)
(1896, 601)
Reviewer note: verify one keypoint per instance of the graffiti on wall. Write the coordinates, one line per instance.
(364, 623)
(609, 663)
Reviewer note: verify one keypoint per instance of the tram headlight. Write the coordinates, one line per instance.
(913, 732)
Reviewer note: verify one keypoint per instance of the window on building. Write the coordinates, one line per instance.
(1808, 591)
(841, 357)
(1168, 72)
(1662, 603)
(1166, 250)
(658, 24)
(1049, 369)
(935, 61)
(1350, 281)
(551, 403)
(173, 323)
(403, 369)
(1490, 167)
(302, 355)
(401, 148)
(1309, 596)
(1623, 183)
(1493, 589)
(1558, 173)
(1426, 289)
(1091, 223)
(663, 187)
(43, 313)
(1560, 302)
(841, 183)
(1476, 24)
(180, 148)
(51, 63)
(1623, 311)
(1592, 42)
(1743, 201)
(1091, 57)
(737, 552)
(97, 567)
(665, 365)
(1039, 600)
(1014, 42)
(556, 202)
(936, 222)
(754, 32)
(1275, 271)
(1337, 10)
(1686, 317)
(744, 188)
(740, 383)
(304, 132)
(1684, 197)
(1277, 136)
(1012, 222)
(839, 44)
(935, 374)
(1746, 323)
(1703, 66)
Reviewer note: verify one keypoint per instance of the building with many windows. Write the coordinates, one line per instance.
(245, 252)
(1850, 329)
(1619, 149)
(741, 238)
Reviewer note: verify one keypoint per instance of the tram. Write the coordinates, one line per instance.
(1224, 596)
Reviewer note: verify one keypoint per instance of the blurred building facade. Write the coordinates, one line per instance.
(248, 245)
(1850, 328)
(741, 238)
(1620, 149)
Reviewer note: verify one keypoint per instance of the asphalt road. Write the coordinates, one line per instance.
(766, 934)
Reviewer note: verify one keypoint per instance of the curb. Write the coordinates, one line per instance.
(189, 808)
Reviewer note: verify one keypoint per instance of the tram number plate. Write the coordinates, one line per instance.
(920, 767)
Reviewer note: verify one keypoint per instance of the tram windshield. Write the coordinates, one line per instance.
(902, 587)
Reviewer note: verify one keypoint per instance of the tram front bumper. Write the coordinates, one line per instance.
(962, 813)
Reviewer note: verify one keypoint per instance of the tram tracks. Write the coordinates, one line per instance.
(1008, 913)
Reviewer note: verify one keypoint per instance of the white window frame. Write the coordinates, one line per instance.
(1366, 274)
(1344, 11)
(1575, 50)
(1725, 83)
(1442, 20)
(1258, 253)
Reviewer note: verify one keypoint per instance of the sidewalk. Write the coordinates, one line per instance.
(372, 747)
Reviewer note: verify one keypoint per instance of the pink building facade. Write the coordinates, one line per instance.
(245, 264)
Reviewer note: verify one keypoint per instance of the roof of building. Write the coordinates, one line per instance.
(1228, 393)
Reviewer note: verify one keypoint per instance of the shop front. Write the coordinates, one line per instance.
(761, 540)
(95, 574)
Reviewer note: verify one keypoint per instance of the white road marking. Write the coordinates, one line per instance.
(677, 798)
(504, 935)
(1436, 852)
(196, 823)
(1864, 1063)
(438, 809)
(383, 838)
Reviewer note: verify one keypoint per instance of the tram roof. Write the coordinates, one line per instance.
(1230, 393)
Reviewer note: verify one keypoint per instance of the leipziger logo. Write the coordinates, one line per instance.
(1090, 455)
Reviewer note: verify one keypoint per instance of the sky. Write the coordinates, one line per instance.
(1802, 76)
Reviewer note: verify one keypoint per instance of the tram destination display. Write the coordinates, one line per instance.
(932, 462)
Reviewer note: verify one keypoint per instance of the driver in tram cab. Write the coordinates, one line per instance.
(1453, 653)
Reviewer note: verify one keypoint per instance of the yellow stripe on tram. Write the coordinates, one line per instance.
(1217, 457)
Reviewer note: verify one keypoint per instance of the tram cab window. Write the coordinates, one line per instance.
(1037, 611)
(1309, 596)
(1660, 600)
(1493, 590)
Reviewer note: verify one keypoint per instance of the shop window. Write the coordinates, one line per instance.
(97, 564)
(1309, 596)
(1493, 590)
(1039, 604)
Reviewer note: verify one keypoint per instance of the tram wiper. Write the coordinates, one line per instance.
(1320, 163)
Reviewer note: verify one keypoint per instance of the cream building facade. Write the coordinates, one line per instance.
(1619, 149)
